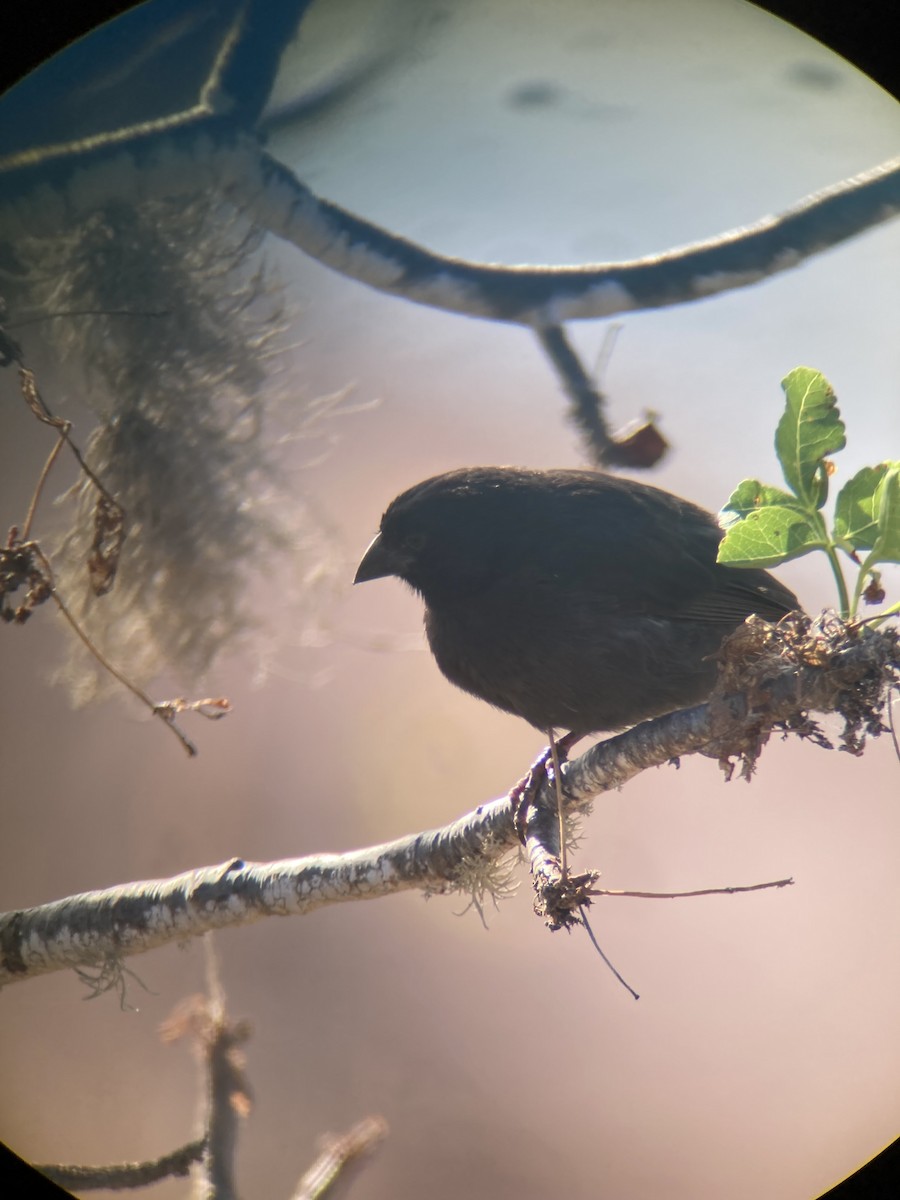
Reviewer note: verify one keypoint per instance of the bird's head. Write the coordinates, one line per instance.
(445, 536)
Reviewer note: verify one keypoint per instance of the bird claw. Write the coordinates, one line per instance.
(524, 793)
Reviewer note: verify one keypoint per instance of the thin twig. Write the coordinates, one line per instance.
(893, 728)
(163, 712)
(39, 487)
(598, 948)
(119, 1176)
(711, 891)
(38, 406)
(338, 1155)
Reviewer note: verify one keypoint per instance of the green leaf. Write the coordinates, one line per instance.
(751, 495)
(809, 430)
(858, 505)
(769, 536)
(887, 544)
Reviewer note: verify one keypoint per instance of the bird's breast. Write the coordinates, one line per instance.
(573, 669)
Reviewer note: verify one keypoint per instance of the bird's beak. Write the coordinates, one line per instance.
(376, 562)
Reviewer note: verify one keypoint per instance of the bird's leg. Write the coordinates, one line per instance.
(526, 789)
(557, 783)
(559, 753)
(522, 794)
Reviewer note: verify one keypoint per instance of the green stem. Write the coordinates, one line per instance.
(828, 544)
(893, 611)
(843, 594)
(879, 618)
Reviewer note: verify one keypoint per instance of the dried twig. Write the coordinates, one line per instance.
(340, 1158)
(109, 524)
(23, 563)
(165, 711)
(730, 890)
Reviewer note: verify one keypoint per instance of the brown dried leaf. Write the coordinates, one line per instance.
(641, 447)
(874, 592)
(106, 547)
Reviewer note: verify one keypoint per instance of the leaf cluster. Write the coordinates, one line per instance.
(767, 525)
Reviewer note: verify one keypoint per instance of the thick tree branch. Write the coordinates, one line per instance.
(96, 928)
(197, 152)
(213, 146)
(549, 295)
(783, 676)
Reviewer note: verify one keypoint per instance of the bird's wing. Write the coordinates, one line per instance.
(650, 553)
(740, 591)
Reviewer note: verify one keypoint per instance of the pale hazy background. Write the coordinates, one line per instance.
(763, 1057)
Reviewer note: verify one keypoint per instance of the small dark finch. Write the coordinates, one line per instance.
(576, 600)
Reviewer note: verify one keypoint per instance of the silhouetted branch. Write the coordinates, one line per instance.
(640, 447)
(120, 1176)
(213, 146)
(546, 296)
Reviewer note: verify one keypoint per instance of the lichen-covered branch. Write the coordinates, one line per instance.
(209, 154)
(94, 929)
(542, 296)
(119, 1176)
(784, 673)
(770, 677)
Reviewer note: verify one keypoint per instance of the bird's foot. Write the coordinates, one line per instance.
(524, 793)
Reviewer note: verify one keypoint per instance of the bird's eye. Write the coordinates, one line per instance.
(415, 541)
